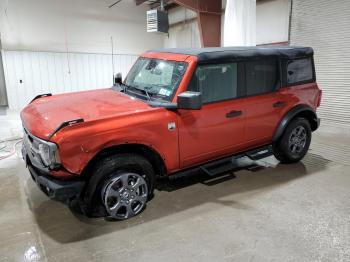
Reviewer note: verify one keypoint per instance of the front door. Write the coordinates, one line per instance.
(217, 129)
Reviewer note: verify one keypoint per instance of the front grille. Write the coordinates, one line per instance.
(31, 145)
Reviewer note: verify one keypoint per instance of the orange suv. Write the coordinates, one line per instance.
(177, 111)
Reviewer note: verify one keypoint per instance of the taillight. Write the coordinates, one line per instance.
(319, 98)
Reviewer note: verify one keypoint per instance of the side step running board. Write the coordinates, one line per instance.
(216, 168)
(260, 153)
(228, 164)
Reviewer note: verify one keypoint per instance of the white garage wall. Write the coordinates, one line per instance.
(183, 35)
(31, 73)
(81, 25)
(183, 31)
(272, 21)
(37, 34)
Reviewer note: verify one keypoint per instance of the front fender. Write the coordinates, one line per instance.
(80, 143)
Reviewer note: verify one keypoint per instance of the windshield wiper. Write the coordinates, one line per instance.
(143, 91)
(146, 92)
(149, 97)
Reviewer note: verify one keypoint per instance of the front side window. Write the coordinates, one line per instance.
(215, 82)
(299, 70)
(156, 78)
(262, 77)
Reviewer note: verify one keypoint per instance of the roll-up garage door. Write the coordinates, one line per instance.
(325, 26)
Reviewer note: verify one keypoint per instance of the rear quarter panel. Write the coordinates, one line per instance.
(307, 94)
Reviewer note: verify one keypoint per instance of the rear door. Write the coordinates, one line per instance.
(263, 101)
(217, 128)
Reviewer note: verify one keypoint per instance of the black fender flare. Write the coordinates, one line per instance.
(301, 110)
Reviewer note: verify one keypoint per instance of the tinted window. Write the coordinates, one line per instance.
(299, 70)
(215, 82)
(261, 77)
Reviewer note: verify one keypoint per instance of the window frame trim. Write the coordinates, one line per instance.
(239, 86)
(285, 67)
(278, 87)
(243, 86)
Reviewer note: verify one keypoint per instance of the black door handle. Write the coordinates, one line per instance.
(233, 114)
(279, 104)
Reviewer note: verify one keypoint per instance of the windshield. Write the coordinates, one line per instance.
(155, 78)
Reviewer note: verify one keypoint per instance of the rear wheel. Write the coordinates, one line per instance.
(295, 141)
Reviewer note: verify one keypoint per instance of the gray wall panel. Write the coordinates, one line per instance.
(325, 26)
(28, 74)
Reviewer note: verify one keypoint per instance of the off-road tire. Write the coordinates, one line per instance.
(91, 202)
(282, 149)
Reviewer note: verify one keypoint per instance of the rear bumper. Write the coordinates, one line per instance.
(60, 190)
(318, 122)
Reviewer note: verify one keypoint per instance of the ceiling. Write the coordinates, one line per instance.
(168, 4)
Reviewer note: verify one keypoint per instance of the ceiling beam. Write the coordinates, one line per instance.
(140, 2)
(209, 19)
(207, 6)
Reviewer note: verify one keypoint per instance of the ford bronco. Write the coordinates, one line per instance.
(177, 111)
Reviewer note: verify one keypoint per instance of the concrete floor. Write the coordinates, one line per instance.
(298, 212)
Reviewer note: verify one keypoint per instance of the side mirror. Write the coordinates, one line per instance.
(189, 100)
(118, 79)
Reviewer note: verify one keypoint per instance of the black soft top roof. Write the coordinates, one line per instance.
(225, 54)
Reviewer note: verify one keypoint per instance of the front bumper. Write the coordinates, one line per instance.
(61, 190)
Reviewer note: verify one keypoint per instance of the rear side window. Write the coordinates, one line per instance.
(299, 70)
(216, 82)
(262, 77)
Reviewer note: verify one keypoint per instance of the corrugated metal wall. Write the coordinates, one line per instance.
(325, 26)
(28, 74)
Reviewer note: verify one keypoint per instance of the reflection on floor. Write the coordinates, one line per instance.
(267, 212)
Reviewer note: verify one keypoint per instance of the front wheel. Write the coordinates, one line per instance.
(124, 195)
(120, 187)
(294, 143)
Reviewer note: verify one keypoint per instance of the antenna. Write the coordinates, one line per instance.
(112, 57)
(67, 51)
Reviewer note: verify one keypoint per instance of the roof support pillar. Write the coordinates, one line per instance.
(209, 19)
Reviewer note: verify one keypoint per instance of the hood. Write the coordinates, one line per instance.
(44, 115)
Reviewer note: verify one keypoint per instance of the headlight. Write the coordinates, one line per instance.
(48, 153)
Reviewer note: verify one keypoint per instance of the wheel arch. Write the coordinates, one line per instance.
(304, 111)
(145, 151)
